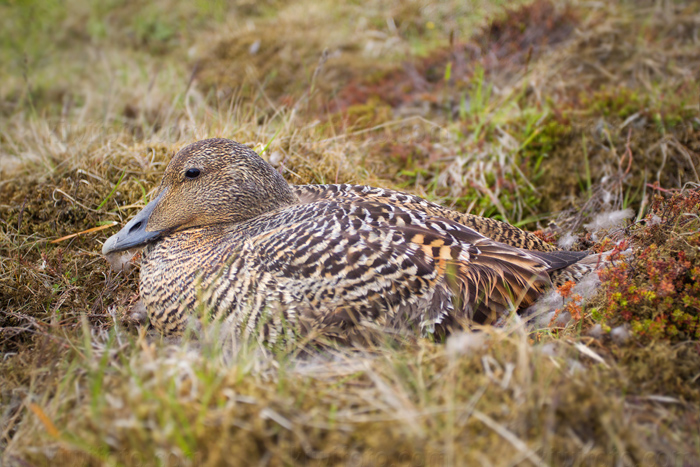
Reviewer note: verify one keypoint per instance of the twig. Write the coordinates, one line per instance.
(94, 229)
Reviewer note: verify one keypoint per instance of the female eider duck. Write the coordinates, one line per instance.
(228, 233)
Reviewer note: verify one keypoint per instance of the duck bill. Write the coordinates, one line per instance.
(135, 233)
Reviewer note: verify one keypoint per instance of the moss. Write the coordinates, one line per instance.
(658, 294)
(64, 279)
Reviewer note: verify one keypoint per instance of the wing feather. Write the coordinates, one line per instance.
(392, 265)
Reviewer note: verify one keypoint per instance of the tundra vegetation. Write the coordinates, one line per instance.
(580, 120)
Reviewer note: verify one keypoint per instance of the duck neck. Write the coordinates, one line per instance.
(260, 193)
(279, 195)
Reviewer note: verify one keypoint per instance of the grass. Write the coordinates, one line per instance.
(543, 114)
(419, 404)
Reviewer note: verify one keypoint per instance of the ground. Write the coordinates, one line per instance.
(578, 120)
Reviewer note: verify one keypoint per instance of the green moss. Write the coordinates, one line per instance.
(618, 101)
(372, 113)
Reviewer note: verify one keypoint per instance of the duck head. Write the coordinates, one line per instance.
(214, 181)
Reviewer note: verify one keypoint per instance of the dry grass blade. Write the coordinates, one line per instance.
(509, 436)
(94, 229)
(45, 420)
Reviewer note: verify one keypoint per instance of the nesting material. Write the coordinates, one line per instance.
(465, 343)
(608, 220)
(138, 313)
(620, 334)
(596, 331)
(567, 241)
(544, 309)
(123, 260)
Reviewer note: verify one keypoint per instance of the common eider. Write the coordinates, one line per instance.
(227, 234)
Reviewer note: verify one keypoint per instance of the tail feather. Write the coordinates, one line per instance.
(499, 278)
(560, 259)
(589, 263)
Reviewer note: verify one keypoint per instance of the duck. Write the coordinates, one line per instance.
(227, 235)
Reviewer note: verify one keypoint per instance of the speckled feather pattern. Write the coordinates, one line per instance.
(492, 228)
(227, 236)
(335, 263)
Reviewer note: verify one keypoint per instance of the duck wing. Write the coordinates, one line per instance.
(339, 264)
(491, 228)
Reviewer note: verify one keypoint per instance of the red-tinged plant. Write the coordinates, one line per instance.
(658, 292)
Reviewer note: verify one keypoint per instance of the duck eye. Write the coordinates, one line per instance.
(192, 173)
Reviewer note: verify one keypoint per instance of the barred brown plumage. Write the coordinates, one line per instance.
(228, 233)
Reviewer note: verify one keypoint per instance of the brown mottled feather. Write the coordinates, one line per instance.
(491, 228)
(334, 259)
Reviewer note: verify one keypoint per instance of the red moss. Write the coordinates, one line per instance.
(658, 293)
(573, 306)
(549, 237)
